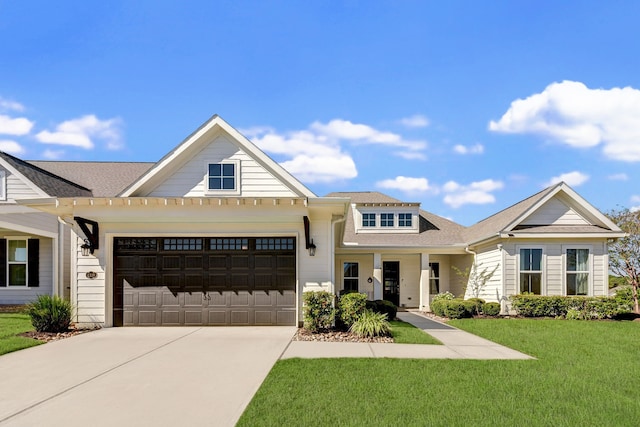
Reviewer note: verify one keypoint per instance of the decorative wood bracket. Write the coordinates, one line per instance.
(91, 234)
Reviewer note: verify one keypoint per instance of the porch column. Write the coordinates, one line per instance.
(424, 282)
(377, 276)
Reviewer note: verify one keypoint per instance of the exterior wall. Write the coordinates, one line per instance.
(462, 262)
(189, 180)
(489, 258)
(555, 212)
(554, 262)
(23, 294)
(365, 271)
(18, 189)
(409, 278)
(93, 296)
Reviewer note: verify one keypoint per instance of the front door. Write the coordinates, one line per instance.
(391, 281)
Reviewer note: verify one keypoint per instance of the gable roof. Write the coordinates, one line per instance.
(435, 231)
(508, 220)
(196, 141)
(104, 179)
(49, 183)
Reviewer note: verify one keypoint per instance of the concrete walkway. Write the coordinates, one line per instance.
(183, 376)
(457, 344)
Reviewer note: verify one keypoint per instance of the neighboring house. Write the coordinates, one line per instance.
(217, 233)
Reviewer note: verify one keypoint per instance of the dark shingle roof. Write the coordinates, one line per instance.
(434, 230)
(104, 179)
(51, 183)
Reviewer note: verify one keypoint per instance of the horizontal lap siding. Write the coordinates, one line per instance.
(189, 180)
(17, 189)
(555, 212)
(488, 259)
(90, 293)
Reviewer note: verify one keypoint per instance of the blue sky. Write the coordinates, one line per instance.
(464, 106)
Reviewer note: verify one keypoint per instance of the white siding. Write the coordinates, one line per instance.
(18, 189)
(25, 218)
(23, 295)
(456, 285)
(190, 179)
(365, 271)
(409, 278)
(489, 258)
(555, 212)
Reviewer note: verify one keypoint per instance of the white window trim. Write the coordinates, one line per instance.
(3, 185)
(395, 229)
(393, 220)
(26, 262)
(411, 219)
(543, 267)
(351, 277)
(214, 192)
(564, 268)
(376, 221)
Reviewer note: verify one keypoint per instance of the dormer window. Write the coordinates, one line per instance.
(368, 220)
(386, 220)
(404, 220)
(222, 176)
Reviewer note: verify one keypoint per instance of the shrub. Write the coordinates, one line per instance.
(50, 313)
(351, 306)
(458, 309)
(371, 324)
(491, 308)
(569, 306)
(447, 296)
(624, 297)
(319, 312)
(477, 303)
(437, 307)
(384, 307)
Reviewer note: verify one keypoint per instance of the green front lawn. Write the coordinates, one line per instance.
(587, 373)
(406, 333)
(12, 324)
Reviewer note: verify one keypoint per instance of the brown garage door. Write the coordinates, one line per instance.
(204, 281)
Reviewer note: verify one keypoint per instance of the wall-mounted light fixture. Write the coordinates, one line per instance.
(86, 248)
(312, 249)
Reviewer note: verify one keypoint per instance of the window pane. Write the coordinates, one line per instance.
(228, 170)
(215, 170)
(215, 183)
(525, 259)
(571, 259)
(350, 284)
(350, 269)
(536, 259)
(18, 250)
(582, 263)
(228, 183)
(17, 275)
(530, 282)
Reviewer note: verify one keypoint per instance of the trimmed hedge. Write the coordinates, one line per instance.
(569, 307)
(319, 312)
(350, 307)
(453, 308)
(491, 309)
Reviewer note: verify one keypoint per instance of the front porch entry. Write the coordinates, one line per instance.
(391, 281)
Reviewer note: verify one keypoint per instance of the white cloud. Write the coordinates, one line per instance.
(11, 147)
(575, 115)
(573, 179)
(317, 154)
(476, 193)
(17, 126)
(635, 199)
(415, 121)
(473, 149)
(618, 177)
(82, 131)
(8, 105)
(53, 154)
(405, 184)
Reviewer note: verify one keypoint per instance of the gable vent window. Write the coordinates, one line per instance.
(222, 176)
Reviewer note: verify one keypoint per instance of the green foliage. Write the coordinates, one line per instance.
(11, 326)
(570, 307)
(50, 313)
(443, 296)
(351, 306)
(458, 309)
(383, 306)
(491, 309)
(318, 309)
(371, 324)
(616, 281)
(624, 253)
(477, 304)
(406, 333)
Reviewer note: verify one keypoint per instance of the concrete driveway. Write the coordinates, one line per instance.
(140, 376)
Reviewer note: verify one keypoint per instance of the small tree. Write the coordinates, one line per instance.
(473, 278)
(624, 253)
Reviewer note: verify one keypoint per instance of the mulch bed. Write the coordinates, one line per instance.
(336, 336)
(54, 336)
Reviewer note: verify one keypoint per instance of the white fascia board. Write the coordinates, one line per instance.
(15, 172)
(566, 236)
(28, 230)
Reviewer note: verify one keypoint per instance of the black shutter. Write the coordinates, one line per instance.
(3, 262)
(33, 262)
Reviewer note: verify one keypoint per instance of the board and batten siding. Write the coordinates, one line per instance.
(190, 179)
(23, 294)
